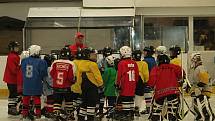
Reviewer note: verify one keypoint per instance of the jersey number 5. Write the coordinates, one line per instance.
(60, 78)
(131, 75)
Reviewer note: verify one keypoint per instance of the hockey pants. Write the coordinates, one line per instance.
(36, 103)
(59, 97)
(166, 107)
(90, 98)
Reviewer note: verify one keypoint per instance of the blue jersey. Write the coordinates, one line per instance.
(150, 61)
(33, 70)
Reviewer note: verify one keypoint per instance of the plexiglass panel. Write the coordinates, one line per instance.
(166, 31)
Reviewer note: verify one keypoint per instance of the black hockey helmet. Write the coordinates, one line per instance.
(175, 50)
(149, 49)
(49, 58)
(136, 55)
(86, 53)
(79, 54)
(65, 53)
(13, 44)
(163, 59)
(107, 51)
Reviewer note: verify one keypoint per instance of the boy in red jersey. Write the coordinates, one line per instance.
(165, 79)
(127, 77)
(62, 72)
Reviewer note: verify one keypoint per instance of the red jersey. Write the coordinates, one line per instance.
(165, 79)
(74, 48)
(12, 67)
(127, 77)
(62, 73)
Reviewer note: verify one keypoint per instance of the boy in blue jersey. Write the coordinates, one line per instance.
(150, 60)
(34, 70)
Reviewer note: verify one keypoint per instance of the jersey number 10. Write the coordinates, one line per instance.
(131, 75)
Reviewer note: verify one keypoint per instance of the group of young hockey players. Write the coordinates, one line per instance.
(76, 85)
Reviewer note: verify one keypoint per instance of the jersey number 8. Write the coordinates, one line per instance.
(29, 71)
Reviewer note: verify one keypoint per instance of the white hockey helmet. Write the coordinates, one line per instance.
(196, 59)
(24, 54)
(110, 60)
(125, 52)
(161, 50)
(34, 50)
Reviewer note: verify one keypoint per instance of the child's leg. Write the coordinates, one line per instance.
(69, 106)
(58, 98)
(12, 99)
(49, 104)
(37, 103)
(26, 102)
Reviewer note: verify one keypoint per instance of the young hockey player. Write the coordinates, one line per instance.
(34, 70)
(143, 78)
(63, 74)
(47, 88)
(127, 77)
(201, 91)
(10, 76)
(148, 57)
(165, 79)
(91, 81)
(161, 50)
(150, 60)
(102, 66)
(76, 88)
(174, 52)
(109, 78)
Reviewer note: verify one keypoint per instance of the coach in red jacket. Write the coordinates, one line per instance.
(10, 76)
(79, 37)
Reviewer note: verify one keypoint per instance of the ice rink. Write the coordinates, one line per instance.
(189, 117)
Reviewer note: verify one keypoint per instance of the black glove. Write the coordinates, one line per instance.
(200, 84)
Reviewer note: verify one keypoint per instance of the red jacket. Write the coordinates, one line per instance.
(12, 67)
(19, 81)
(74, 48)
(127, 77)
(165, 79)
(62, 73)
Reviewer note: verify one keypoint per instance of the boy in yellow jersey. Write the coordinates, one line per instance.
(143, 78)
(201, 91)
(174, 52)
(91, 81)
(76, 88)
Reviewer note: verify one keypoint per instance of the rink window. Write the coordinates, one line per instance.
(166, 31)
(204, 33)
